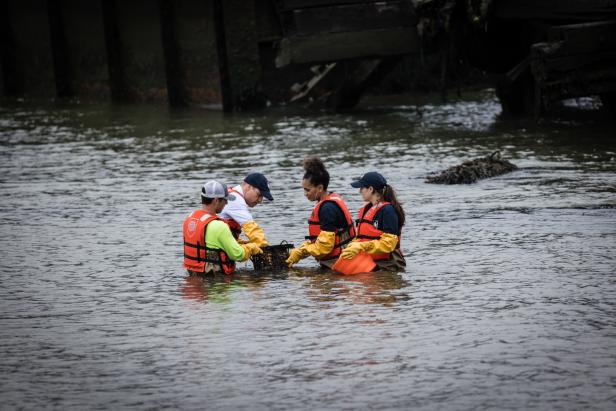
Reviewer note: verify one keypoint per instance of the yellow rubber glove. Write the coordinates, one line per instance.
(323, 245)
(298, 253)
(354, 248)
(250, 249)
(254, 233)
(385, 244)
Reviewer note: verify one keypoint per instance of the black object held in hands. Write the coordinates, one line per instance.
(273, 257)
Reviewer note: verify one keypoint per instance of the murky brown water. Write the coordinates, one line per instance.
(508, 302)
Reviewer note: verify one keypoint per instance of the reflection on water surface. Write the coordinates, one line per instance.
(508, 300)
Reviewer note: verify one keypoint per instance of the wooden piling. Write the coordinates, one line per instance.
(173, 68)
(113, 45)
(197, 52)
(62, 76)
(11, 79)
(223, 63)
(30, 52)
(84, 45)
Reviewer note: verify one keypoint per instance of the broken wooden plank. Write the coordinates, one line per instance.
(584, 38)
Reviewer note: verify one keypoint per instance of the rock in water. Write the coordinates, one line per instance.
(473, 170)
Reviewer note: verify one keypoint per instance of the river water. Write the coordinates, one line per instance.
(508, 300)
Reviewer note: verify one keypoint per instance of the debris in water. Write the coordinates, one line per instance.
(473, 170)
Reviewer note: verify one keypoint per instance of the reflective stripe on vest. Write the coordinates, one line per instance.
(343, 235)
(366, 231)
(197, 256)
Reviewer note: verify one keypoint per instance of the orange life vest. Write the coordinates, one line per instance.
(236, 228)
(197, 256)
(343, 235)
(366, 231)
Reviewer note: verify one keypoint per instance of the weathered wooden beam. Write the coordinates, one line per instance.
(585, 37)
(353, 17)
(348, 45)
(580, 60)
(559, 10)
(286, 5)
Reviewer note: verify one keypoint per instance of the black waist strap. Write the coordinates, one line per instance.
(339, 233)
(202, 260)
(371, 237)
(206, 259)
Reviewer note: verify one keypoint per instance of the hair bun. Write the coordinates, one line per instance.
(314, 165)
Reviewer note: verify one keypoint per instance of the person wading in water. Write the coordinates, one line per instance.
(379, 225)
(330, 226)
(237, 214)
(209, 246)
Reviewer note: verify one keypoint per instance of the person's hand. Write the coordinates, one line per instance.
(250, 249)
(353, 249)
(255, 233)
(297, 254)
(254, 248)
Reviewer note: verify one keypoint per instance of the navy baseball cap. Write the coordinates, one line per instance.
(370, 179)
(258, 180)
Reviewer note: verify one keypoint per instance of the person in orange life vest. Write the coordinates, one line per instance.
(379, 225)
(330, 225)
(247, 195)
(209, 246)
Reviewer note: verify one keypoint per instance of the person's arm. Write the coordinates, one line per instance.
(219, 235)
(386, 243)
(238, 211)
(388, 220)
(228, 243)
(329, 215)
(255, 233)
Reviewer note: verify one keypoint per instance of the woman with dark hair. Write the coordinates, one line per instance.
(330, 225)
(379, 225)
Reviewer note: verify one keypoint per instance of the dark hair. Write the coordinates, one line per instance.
(316, 172)
(206, 201)
(388, 194)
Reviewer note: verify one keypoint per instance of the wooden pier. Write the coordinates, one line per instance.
(244, 55)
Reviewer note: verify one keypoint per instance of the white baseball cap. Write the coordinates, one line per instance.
(215, 189)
